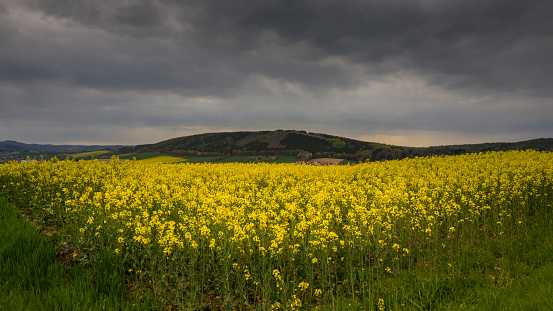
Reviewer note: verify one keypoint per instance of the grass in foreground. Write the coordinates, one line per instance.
(32, 279)
(518, 277)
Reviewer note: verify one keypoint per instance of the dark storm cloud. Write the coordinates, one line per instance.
(460, 44)
(140, 17)
(467, 45)
(421, 65)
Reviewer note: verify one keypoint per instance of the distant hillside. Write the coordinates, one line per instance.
(278, 142)
(14, 146)
(540, 144)
(306, 145)
(301, 144)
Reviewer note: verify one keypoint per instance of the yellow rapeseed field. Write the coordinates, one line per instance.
(283, 235)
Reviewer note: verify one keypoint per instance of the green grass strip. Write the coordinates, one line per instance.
(31, 279)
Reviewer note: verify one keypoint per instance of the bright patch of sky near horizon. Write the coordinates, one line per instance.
(411, 73)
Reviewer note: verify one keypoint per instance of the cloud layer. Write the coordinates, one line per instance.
(418, 72)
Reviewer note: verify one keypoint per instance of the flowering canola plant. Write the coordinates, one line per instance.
(282, 235)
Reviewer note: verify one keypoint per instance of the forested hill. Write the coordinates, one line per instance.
(306, 144)
(278, 142)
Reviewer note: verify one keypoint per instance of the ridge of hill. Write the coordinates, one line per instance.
(15, 146)
(306, 145)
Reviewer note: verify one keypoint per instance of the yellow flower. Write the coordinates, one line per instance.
(296, 302)
(381, 306)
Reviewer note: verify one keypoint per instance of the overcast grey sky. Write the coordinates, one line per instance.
(405, 72)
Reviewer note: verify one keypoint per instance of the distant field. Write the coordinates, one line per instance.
(106, 154)
(27, 154)
(164, 159)
(141, 155)
(90, 153)
(148, 155)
